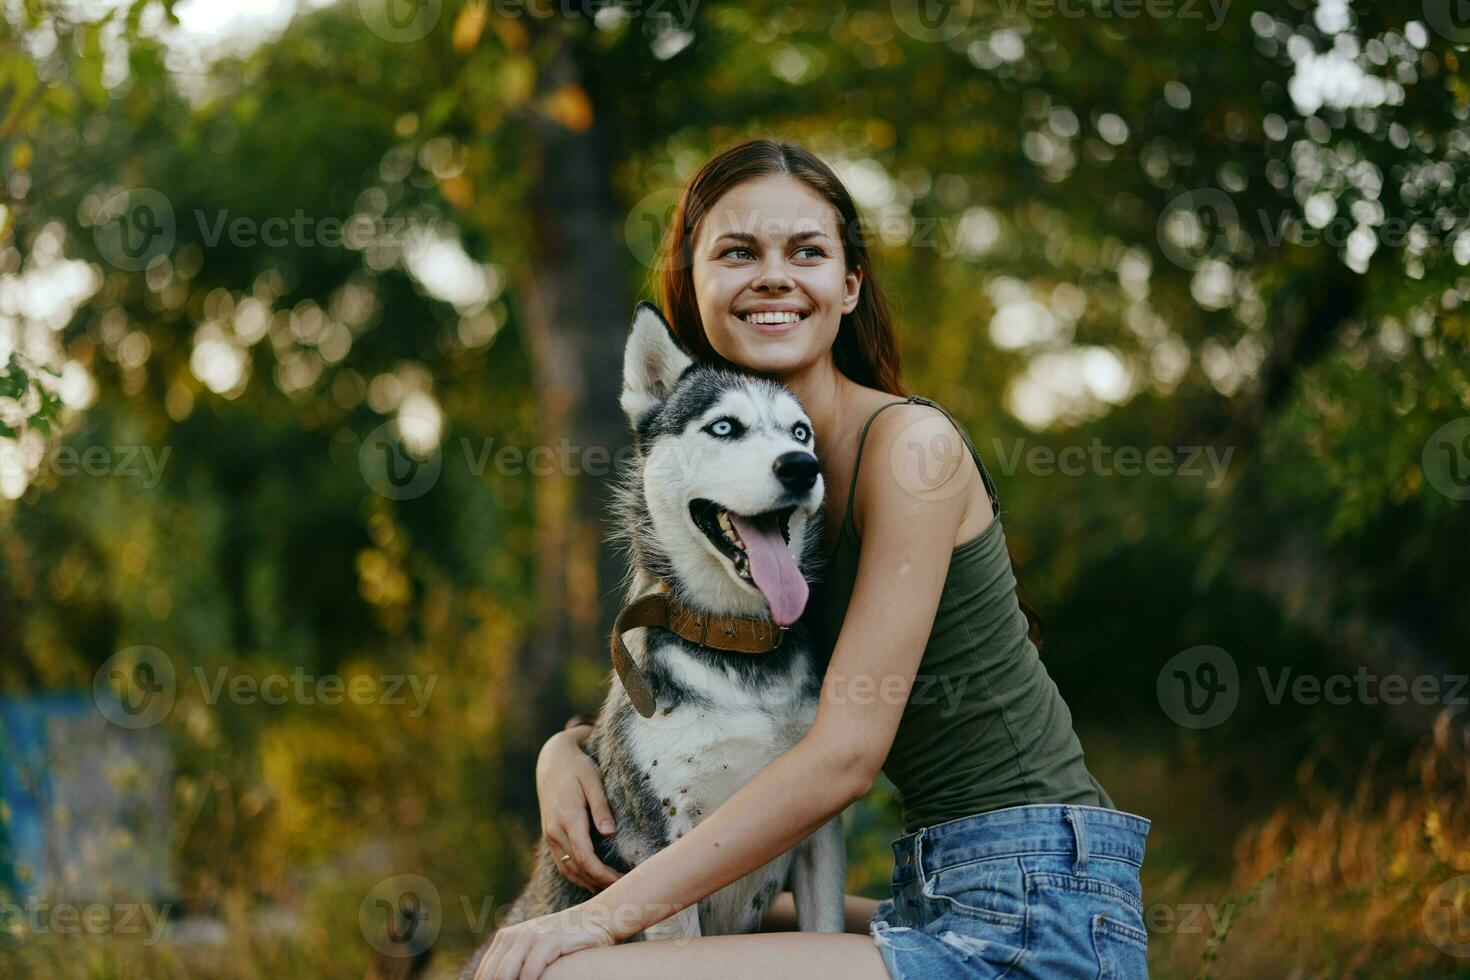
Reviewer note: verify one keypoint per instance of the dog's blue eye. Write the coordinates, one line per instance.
(801, 432)
(724, 428)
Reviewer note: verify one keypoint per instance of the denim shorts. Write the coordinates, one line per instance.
(1048, 891)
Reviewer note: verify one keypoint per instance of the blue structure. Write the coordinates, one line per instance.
(85, 806)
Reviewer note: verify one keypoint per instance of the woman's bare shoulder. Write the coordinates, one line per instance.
(925, 464)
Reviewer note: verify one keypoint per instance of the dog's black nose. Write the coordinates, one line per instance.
(796, 471)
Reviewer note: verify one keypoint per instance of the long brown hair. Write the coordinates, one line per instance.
(865, 348)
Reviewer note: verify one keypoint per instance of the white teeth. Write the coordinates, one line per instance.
(731, 535)
(772, 317)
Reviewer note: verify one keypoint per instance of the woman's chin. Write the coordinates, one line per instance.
(773, 358)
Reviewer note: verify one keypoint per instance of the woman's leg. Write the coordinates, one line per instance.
(770, 956)
(782, 916)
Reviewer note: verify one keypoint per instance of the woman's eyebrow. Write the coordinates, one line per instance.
(747, 238)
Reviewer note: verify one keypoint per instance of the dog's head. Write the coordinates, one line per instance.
(726, 493)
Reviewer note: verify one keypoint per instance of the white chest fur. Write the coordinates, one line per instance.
(701, 753)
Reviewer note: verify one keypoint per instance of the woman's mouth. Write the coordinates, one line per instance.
(774, 321)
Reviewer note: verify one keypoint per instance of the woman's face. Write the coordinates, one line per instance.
(770, 276)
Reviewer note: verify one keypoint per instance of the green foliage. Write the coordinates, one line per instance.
(1093, 230)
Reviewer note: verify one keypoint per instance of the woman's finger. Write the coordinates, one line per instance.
(597, 802)
(509, 967)
(585, 857)
(486, 969)
(560, 846)
(538, 961)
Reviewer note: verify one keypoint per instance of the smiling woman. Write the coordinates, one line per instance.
(755, 244)
(1014, 860)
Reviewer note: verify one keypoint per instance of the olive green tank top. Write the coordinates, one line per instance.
(985, 726)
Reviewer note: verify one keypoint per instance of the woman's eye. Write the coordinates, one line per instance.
(801, 432)
(817, 253)
(738, 248)
(723, 428)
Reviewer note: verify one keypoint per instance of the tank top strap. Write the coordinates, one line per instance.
(920, 400)
(858, 459)
(969, 443)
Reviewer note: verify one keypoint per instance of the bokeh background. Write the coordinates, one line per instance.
(310, 325)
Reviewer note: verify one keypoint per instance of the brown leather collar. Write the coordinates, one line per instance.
(732, 634)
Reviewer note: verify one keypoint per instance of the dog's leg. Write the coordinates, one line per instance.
(680, 925)
(819, 879)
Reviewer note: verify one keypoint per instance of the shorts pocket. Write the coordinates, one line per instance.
(1086, 888)
(1122, 950)
(992, 890)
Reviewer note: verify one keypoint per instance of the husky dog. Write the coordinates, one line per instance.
(720, 512)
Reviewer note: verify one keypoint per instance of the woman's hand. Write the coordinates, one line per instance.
(568, 785)
(527, 949)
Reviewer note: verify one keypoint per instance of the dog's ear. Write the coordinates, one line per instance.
(652, 362)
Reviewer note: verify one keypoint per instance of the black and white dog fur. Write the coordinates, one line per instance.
(723, 506)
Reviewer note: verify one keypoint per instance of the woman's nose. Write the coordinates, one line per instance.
(773, 277)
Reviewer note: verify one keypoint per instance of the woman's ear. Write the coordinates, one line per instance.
(652, 363)
(852, 285)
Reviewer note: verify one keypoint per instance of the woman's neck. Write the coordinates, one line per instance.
(824, 392)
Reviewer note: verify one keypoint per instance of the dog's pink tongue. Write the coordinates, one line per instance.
(773, 567)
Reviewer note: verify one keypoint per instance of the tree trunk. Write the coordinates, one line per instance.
(576, 314)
